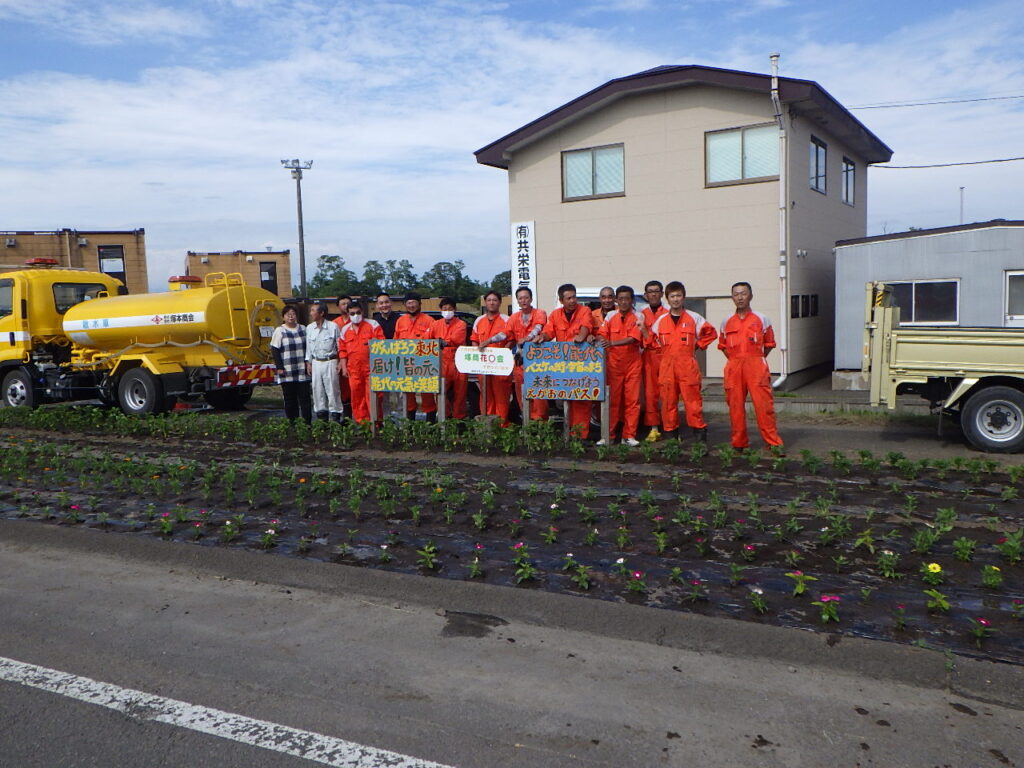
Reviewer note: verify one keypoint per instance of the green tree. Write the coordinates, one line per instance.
(373, 277)
(447, 278)
(400, 277)
(332, 277)
(502, 283)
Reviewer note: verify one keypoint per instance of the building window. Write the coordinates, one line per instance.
(849, 180)
(819, 155)
(591, 173)
(803, 305)
(268, 276)
(6, 297)
(928, 302)
(1015, 298)
(741, 154)
(112, 261)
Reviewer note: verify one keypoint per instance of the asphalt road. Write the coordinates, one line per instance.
(462, 674)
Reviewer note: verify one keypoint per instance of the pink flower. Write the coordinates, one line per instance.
(699, 540)
(658, 518)
(741, 521)
(518, 545)
(198, 524)
(696, 582)
(984, 622)
(273, 522)
(749, 547)
(74, 506)
(798, 573)
(830, 598)
(900, 607)
(478, 546)
(638, 574)
(166, 514)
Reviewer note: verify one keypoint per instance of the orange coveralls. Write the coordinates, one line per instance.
(652, 365)
(624, 371)
(679, 375)
(346, 393)
(422, 327)
(499, 388)
(745, 342)
(518, 330)
(354, 348)
(561, 328)
(453, 334)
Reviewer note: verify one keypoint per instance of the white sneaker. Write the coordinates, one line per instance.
(632, 442)
(602, 441)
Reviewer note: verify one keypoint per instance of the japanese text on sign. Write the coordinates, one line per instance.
(405, 365)
(563, 370)
(524, 259)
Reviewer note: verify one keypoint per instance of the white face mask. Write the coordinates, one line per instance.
(447, 314)
(355, 319)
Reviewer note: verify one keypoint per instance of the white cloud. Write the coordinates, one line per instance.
(106, 24)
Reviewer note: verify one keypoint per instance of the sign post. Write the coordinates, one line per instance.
(405, 365)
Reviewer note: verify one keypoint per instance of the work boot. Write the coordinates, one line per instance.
(653, 436)
(411, 415)
(700, 435)
(336, 417)
(322, 415)
(432, 417)
(671, 434)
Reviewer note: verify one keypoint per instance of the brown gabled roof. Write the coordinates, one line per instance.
(993, 224)
(804, 97)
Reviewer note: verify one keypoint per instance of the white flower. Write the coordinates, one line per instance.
(568, 554)
(271, 531)
(620, 561)
(383, 546)
(757, 590)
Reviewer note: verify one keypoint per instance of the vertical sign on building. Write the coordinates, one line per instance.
(524, 257)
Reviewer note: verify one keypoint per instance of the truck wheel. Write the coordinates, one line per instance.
(993, 419)
(18, 390)
(141, 392)
(231, 399)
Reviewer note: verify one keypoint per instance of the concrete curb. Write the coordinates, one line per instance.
(986, 681)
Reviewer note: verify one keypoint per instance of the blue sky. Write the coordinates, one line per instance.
(174, 116)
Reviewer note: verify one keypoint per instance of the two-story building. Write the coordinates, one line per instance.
(695, 174)
(120, 254)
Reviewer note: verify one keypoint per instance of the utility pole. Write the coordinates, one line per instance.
(297, 167)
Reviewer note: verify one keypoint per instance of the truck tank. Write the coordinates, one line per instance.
(237, 317)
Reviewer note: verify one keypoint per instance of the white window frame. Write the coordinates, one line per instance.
(742, 179)
(954, 280)
(566, 198)
(1011, 321)
(814, 170)
(849, 181)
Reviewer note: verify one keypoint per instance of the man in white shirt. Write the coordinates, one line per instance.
(322, 363)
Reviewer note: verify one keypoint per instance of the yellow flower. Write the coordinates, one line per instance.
(934, 568)
(994, 568)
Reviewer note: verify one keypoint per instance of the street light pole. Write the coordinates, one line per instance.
(297, 167)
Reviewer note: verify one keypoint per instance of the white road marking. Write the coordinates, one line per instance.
(142, 706)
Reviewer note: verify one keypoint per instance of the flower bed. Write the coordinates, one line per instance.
(917, 552)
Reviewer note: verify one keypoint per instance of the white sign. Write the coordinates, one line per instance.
(492, 361)
(524, 257)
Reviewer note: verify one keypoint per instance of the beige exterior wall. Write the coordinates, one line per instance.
(245, 262)
(671, 226)
(78, 248)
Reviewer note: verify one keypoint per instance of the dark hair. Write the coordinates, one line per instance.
(338, 300)
(383, 293)
(358, 304)
(565, 287)
(492, 293)
(607, 288)
(745, 284)
(446, 301)
(412, 296)
(321, 305)
(674, 286)
(625, 289)
(526, 288)
(289, 308)
(656, 283)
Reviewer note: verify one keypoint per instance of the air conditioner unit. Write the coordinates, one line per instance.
(204, 260)
(82, 242)
(249, 258)
(11, 242)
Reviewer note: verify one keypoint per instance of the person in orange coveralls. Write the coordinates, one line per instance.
(573, 322)
(621, 333)
(354, 349)
(525, 325)
(491, 330)
(679, 333)
(341, 321)
(653, 293)
(607, 299)
(452, 333)
(746, 338)
(415, 325)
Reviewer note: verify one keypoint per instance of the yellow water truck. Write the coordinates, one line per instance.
(69, 334)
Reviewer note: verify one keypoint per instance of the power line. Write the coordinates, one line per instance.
(948, 165)
(897, 105)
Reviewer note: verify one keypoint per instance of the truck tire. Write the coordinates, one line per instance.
(993, 419)
(231, 399)
(140, 392)
(18, 391)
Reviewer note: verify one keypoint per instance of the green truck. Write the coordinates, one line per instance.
(975, 375)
